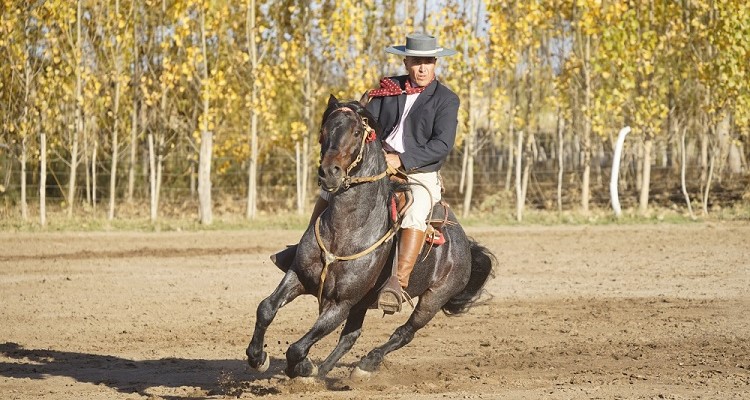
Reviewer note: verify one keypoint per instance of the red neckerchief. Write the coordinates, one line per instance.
(389, 87)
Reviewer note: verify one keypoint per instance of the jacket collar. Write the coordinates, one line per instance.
(426, 94)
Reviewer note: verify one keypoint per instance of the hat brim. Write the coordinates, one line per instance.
(403, 51)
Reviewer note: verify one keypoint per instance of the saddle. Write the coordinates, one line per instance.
(438, 218)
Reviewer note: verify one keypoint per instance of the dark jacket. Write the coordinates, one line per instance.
(429, 129)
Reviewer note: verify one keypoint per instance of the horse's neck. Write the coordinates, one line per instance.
(364, 202)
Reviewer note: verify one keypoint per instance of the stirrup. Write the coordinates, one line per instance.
(390, 297)
(390, 300)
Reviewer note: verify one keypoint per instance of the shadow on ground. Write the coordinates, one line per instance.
(211, 377)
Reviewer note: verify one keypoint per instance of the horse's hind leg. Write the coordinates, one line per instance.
(349, 335)
(297, 363)
(289, 288)
(429, 304)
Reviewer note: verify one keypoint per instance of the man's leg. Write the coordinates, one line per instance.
(425, 192)
(284, 258)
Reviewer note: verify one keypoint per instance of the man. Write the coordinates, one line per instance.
(419, 116)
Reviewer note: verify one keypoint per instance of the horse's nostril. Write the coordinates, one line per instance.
(329, 171)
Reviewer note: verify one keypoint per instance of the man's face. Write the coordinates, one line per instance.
(421, 69)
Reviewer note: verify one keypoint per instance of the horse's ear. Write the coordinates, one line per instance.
(332, 101)
(365, 99)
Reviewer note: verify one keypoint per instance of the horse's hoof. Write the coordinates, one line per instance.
(306, 380)
(305, 369)
(358, 374)
(266, 363)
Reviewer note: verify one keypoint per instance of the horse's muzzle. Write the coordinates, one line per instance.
(330, 177)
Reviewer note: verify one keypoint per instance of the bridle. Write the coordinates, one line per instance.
(368, 135)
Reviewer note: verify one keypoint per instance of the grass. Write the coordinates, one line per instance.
(85, 220)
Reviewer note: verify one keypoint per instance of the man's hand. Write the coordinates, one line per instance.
(393, 160)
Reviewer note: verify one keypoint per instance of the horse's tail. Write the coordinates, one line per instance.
(482, 268)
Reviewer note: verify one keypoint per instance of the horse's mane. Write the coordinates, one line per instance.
(357, 107)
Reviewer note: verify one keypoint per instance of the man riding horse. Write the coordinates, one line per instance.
(419, 116)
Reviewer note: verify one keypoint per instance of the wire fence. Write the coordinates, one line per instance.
(493, 187)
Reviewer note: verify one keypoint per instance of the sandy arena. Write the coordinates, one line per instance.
(613, 312)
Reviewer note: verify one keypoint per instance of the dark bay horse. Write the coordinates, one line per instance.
(357, 222)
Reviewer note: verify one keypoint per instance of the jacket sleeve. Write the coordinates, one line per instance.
(435, 150)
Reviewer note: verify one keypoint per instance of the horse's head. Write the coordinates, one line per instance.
(344, 133)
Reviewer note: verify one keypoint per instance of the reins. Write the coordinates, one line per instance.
(329, 258)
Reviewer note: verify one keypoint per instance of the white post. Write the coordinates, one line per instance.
(616, 171)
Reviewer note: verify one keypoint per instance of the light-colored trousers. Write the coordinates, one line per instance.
(425, 188)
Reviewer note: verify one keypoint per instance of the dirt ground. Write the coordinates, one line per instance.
(614, 312)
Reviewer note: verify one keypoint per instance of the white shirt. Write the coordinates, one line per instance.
(395, 141)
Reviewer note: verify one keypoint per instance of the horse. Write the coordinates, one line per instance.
(346, 255)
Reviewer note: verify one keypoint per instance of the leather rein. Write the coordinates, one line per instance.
(368, 135)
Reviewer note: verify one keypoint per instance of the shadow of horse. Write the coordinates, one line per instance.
(213, 377)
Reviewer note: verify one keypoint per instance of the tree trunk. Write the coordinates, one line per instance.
(252, 168)
(204, 178)
(114, 155)
(86, 165)
(78, 115)
(134, 113)
(43, 179)
(646, 183)
(511, 133)
(469, 183)
(115, 128)
(528, 160)
(133, 151)
(683, 167)
(152, 178)
(586, 139)
(469, 154)
(159, 169)
(709, 178)
(298, 176)
(704, 139)
(93, 176)
(560, 159)
(24, 137)
(206, 150)
(24, 151)
(519, 190)
(304, 172)
(252, 180)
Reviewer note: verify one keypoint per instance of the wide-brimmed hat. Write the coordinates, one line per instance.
(420, 45)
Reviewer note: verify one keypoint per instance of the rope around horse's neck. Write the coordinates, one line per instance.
(331, 258)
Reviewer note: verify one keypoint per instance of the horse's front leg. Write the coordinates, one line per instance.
(349, 335)
(297, 363)
(289, 288)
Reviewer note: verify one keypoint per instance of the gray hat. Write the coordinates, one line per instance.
(420, 45)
